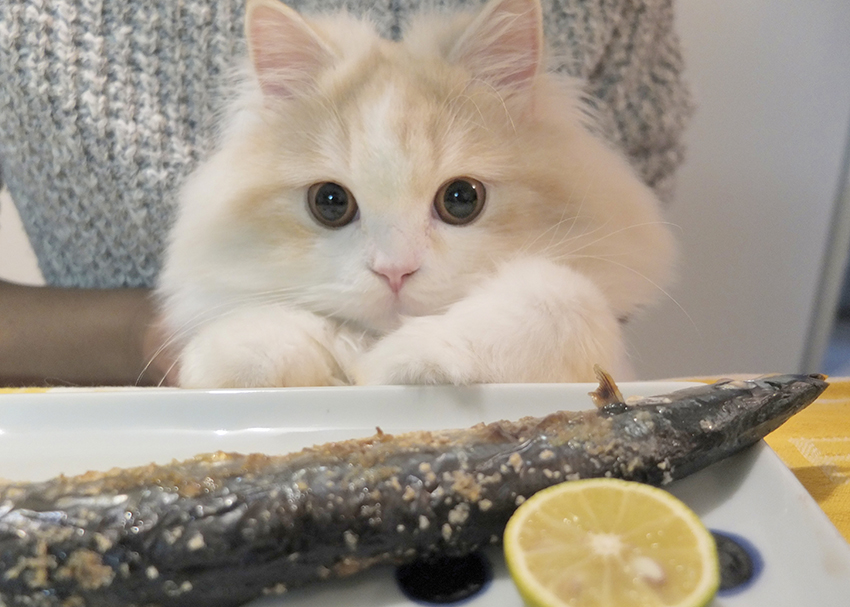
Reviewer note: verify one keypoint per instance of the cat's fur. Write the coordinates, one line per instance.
(570, 242)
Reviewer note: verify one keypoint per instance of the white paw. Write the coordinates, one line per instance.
(534, 321)
(420, 352)
(263, 347)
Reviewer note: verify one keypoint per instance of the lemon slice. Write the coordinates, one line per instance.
(610, 543)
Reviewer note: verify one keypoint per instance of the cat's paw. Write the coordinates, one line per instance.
(264, 347)
(534, 321)
(422, 351)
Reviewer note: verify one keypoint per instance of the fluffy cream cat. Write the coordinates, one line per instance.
(426, 211)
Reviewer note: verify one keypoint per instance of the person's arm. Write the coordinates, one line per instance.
(72, 337)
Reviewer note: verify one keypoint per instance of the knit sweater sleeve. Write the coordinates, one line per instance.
(629, 55)
(107, 105)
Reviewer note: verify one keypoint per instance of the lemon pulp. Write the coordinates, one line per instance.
(613, 543)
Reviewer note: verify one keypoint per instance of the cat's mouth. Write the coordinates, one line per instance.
(399, 306)
(390, 310)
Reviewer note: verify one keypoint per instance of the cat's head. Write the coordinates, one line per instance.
(370, 180)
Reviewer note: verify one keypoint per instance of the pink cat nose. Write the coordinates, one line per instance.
(396, 275)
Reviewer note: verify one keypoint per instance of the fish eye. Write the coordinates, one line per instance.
(331, 204)
(460, 200)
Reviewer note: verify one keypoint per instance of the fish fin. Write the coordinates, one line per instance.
(607, 393)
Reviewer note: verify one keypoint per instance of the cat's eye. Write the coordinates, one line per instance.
(331, 204)
(460, 200)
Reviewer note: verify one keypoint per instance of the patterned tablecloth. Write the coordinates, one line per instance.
(815, 444)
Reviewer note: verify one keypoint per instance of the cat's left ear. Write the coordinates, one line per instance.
(503, 45)
(286, 52)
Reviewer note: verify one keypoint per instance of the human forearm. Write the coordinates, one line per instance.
(55, 336)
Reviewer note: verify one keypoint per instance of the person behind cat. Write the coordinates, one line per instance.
(99, 130)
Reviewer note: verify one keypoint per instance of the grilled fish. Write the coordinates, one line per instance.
(222, 529)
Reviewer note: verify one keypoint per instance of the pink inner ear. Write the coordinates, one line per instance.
(286, 52)
(504, 44)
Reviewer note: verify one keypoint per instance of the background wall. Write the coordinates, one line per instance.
(17, 261)
(756, 198)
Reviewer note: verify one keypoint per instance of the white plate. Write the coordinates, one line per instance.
(752, 495)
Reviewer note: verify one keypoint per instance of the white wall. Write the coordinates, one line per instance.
(17, 261)
(756, 197)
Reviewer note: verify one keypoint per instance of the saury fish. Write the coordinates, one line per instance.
(222, 529)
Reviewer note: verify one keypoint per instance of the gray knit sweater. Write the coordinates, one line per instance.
(106, 105)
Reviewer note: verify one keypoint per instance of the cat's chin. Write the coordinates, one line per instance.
(377, 325)
(389, 315)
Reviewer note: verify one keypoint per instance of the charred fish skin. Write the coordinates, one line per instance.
(735, 414)
(705, 424)
(222, 529)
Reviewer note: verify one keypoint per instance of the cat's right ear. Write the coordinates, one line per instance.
(285, 51)
(503, 44)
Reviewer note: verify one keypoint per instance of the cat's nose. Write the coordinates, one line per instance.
(395, 275)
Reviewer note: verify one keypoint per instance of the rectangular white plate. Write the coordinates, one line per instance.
(752, 495)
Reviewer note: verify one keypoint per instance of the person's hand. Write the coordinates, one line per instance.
(82, 337)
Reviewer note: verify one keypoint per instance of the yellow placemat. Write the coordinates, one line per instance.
(815, 445)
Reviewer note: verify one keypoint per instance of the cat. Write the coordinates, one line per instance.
(433, 210)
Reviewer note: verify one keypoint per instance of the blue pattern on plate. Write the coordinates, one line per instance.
(740, 562)
(445, 580)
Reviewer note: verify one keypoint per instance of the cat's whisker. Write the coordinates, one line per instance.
(452, 105)
(167, 373)
(172, 340)
(482, 124)
(453, 97)
(229, 306)
(582, 200)
(658, 287)
(558, 225)
(501, 99)
(329, 103)
(270, 297)
(566, 238)
(600, 227)
(567, 205)
(618, 231)
(553, 229)
(576, 215)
